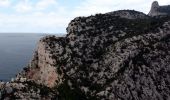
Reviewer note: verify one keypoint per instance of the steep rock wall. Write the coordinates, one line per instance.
(157, 10)
(42, 68)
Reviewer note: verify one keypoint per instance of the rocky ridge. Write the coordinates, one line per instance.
(103, 57)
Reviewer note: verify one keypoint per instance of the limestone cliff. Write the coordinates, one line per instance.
(110, 57)
(42, 68)
(122, 55)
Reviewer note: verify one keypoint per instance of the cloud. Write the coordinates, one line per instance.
(23, 6)
(4, 3)
(36, 22)
(53, 16)
(32, 17)
(43, 4)
(89, 7)
(164, 2)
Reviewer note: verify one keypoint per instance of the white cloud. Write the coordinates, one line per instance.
(4, 3)
(37, 22)
(32, 18)
(94, 6)
(23, 6)
(102, 6)
(26, 5)
(43, 4)
(36, 19)
(164, 2)
(88, 7)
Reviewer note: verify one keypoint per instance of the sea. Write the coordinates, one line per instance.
(16, 51)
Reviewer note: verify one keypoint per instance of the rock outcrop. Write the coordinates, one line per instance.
(102, 57)
(25, 91)
(129, 14)
(157, 10)
(43, 63)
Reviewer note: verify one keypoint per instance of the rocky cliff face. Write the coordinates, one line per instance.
(157, 10)
(122, 55)
(42, 68)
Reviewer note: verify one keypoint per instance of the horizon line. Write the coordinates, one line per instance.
(29, 33)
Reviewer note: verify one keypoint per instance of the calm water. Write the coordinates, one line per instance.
(16, 51)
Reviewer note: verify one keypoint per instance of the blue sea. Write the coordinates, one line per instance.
(16, 51)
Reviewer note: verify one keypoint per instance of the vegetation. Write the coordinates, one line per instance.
(66, 93)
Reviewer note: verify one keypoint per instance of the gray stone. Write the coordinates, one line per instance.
(157, 10)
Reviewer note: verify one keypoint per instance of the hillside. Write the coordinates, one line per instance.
(121, 55)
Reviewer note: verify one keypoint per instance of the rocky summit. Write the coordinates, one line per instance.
(157, 10)
(121, 55)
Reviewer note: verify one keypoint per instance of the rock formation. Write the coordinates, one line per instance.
(122, 55)
(43, 63)
(157, 10)
(129, 14)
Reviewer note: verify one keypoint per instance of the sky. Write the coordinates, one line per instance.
(53, 16)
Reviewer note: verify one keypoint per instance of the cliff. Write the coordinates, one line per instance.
(122, 55)
(43, 63)
(157, 10)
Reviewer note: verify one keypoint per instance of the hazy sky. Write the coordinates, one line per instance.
(53, 16)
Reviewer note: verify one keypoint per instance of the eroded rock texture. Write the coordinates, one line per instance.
(105, 57)
(109, 57)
